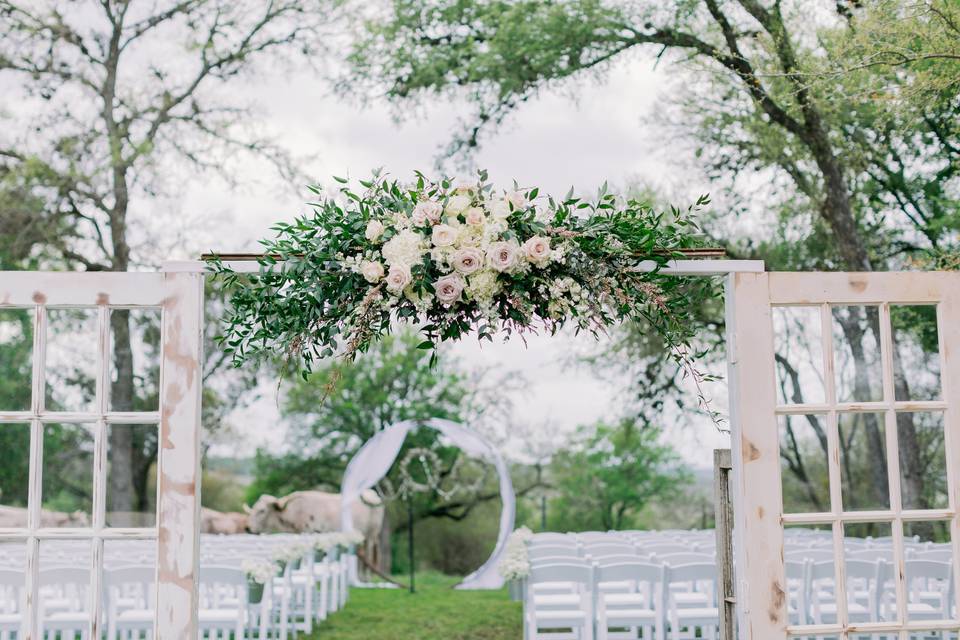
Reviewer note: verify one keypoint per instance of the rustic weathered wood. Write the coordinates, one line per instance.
(723, 509)
(180, 296)
(757, 488)
(758, 552)
(179, 458)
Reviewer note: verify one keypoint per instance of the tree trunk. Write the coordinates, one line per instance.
(123, 493)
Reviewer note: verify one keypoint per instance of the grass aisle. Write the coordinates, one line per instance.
(435, 612)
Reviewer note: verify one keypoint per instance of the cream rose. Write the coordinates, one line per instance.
(371, 271)
(398, 277)
(474, 216)
(427, 210)
(457, 204)
(499, 209)
(374, 230)
(467, 260)
(537, 250)
(444, 235)
(518, 199)
(502, 256)
(448, 288)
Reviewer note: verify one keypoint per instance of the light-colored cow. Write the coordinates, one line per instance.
(318, 511)
(229, 522)
(17, 517)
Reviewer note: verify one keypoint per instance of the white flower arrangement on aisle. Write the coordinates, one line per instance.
(291, 552)
(259, 570)
(336, 539)
(514, 564)
(456, 258)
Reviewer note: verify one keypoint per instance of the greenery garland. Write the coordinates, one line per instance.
(458, 258)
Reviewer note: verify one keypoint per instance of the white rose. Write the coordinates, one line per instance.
(474, 216)
(406, 247)
(448, 288)
(464, 186)
(444, 235)
(427, 210)
(457, 204)
(371, 271)
(518, 199)
(502, 256)
(499, 209)
(537, 250)
(467, 260)
(398, 277)
(374, 230)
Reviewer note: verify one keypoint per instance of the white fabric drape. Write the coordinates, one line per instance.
(377, 455)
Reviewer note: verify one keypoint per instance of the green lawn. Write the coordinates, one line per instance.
(434, 612)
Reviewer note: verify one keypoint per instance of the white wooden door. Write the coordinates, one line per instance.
(856, 386)
(177, 301)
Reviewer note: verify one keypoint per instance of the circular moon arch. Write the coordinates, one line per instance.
(374, 459)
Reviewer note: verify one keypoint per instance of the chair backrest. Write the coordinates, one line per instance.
(551, 551)
(660, 549)
(580, 574)
(617, 559)
(684, 558)
(12, 584)
(540, 562)
(634, 571)
(138, 581)
(696, 574)
(607, 549)
(71, 583)
(222, 585)
(813, 555)
(928, 570)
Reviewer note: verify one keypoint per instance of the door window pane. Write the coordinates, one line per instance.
(16, 359)
(916, 355)
(923, 460)
(67, 475)
(71, 359)
(856, 352)
(803, 463)
(134, 359)
(131, 475)
(14, 464)
(863, 461)
(799, 355)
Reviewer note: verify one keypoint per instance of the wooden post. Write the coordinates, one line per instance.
(723, 508)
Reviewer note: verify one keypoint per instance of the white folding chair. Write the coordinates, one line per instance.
(130, 601)
(702, 579)
(929, 589)
(12, 600)
(223, 603)
(572, 621)
(64, 600)
(643, 608)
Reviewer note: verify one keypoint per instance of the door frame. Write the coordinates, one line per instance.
(758, 505)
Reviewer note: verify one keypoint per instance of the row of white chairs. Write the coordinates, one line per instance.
(307, 591)
(640, 584)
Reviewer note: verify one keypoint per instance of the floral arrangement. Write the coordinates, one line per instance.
(259, 570)
(514, 564)
(455, 258)
(292, 552)
(336, 539)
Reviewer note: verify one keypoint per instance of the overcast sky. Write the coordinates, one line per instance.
(555, 142)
